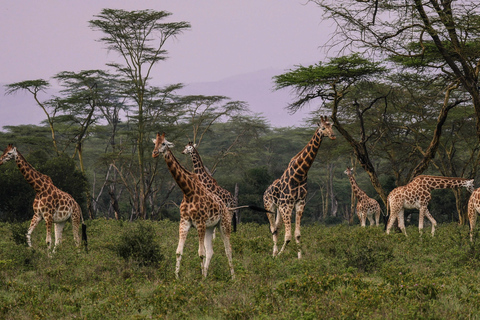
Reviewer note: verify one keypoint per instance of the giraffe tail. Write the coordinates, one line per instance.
(84, 236)
(386, 217)
(252, 207)
(84, 230)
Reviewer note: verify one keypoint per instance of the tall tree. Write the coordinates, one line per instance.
(139, 38)
(443, 35)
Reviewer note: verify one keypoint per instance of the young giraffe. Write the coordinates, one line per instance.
(416, 195)
(473, 210)
(51, 203)
(200, 208)
(366, 206)
(290, 190)
(208, 181)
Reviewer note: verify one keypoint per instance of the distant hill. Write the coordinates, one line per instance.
(255, 88)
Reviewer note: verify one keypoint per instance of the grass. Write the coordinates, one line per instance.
(345, 273)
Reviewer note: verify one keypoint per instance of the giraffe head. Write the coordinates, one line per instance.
(349, 171)
(161, 145)
(189, 148)
(325, 128)
(469, 184)
(9, 154)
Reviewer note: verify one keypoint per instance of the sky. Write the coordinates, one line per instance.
(226, 38)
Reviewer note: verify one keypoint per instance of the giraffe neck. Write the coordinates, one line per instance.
(200, 170)
(356, 189)
(183, 177)
(435, 182)
(37, 180)
(304, 159)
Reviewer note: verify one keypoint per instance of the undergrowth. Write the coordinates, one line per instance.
(345, 273)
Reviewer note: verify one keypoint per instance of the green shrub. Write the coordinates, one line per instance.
(138, 243)
(19, 232)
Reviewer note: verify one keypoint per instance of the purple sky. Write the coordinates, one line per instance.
(227, 38)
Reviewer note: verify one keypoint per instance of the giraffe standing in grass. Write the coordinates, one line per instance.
(366, 206)
(51, 204)
(416, 195)
(208, 181)
(473, 210)
(290, 190)
(200, 208)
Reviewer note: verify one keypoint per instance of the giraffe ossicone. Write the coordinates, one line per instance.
(416, 195)
(50, 204)
(199, 208)
(366, 206)
(290, 190)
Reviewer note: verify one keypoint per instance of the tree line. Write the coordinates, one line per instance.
(403, 105)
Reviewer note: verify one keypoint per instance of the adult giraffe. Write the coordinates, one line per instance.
(366, 206)
(51, 204)
(209, 182)
(416, 195)
(200, 208)
(290, 190)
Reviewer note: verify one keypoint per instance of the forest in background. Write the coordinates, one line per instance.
(412, 111)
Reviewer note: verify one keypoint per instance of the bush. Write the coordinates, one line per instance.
(138, 243)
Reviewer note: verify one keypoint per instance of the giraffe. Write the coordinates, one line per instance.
(208, 181)
(366, 206)
(416, 195)
(51, 204)
(290, 190)
(473, 210)
(200, 208)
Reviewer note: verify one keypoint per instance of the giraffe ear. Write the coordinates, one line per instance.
(195, 145)
(154, 140)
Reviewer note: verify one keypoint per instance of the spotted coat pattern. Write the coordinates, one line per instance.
(207, 180)
(366, 206)
(473, 210)
(417, 195)
(290, 190)
(51, 204)
(200, 208)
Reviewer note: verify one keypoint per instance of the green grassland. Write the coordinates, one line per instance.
(347, 272)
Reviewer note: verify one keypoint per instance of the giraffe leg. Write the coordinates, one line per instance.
(201, 229)
(58, 234)
(401, 221)
(183, 231)
(429, 217)
(370, 219)
(76, 228)
(377, 215)
(472, 216)
(208, 245)
(48, 222)
(276, 228)
(37, 217)
(299, 207)
(225, 230)
(286, 214)
(391, 220)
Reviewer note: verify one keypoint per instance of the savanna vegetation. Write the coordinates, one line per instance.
(346, 273)
(411, 110)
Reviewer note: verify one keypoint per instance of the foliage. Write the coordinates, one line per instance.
(346, 273)
(139, 244)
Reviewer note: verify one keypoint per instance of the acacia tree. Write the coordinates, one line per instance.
(441, 36)
(34, 87)
(331, 82)
(139, 38)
